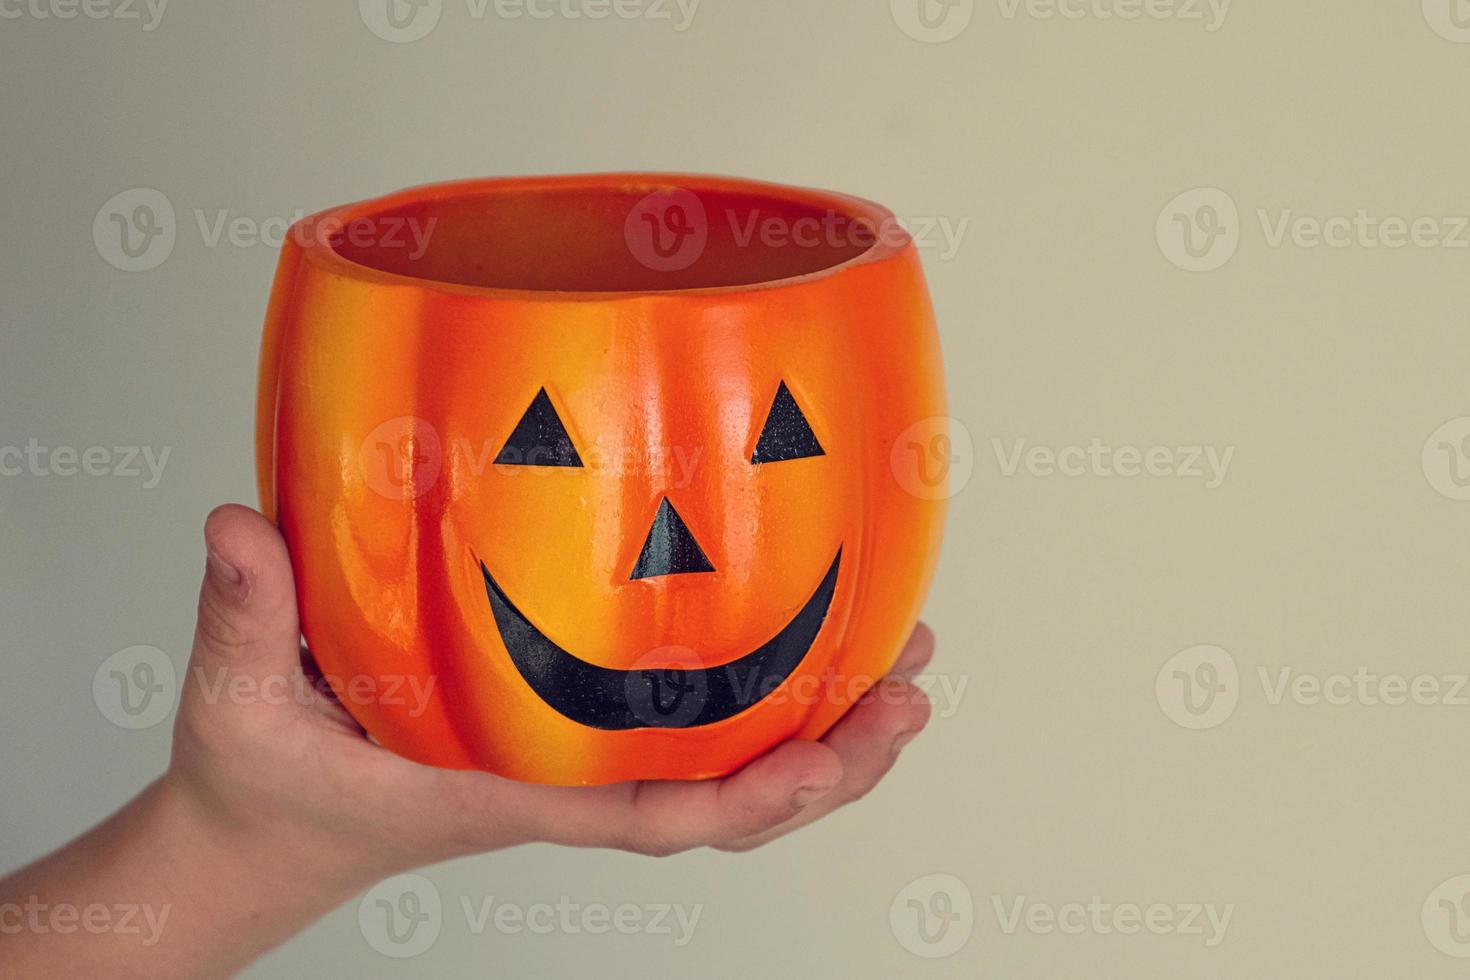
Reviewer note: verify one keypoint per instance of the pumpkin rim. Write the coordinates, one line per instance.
(312, 232)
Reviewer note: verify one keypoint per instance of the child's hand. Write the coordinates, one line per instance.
(274, 811)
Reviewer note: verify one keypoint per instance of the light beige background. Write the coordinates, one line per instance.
(1333, 543)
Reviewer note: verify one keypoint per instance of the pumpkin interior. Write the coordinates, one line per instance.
(577, 239)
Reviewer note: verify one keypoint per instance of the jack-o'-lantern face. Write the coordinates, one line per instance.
(669, 696)
(621, 522)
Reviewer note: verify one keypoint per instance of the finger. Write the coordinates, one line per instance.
(247, 604)
(916, 654)
(868, 742)
(669, 817)
(654, 818)
(321, 697)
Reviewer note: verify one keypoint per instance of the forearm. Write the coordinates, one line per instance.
(155, 892)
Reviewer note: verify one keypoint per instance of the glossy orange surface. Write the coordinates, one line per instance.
(660, 315)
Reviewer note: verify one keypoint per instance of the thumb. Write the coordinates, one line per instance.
(247, 605)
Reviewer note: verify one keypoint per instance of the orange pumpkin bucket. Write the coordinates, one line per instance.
(589, 479)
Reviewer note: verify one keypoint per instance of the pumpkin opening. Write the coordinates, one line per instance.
(613, 237)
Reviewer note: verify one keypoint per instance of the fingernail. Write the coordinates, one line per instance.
(808, 795)
(900, 743)
(223, 570)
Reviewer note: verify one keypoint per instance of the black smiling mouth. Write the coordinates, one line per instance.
(621, 700)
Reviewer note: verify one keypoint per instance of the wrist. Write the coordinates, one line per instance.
(262, 854)
(193, 896)
(239, 887)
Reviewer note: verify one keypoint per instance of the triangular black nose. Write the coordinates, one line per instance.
(670, 548)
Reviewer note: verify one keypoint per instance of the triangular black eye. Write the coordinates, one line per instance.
(787, 434)
(539, 438)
